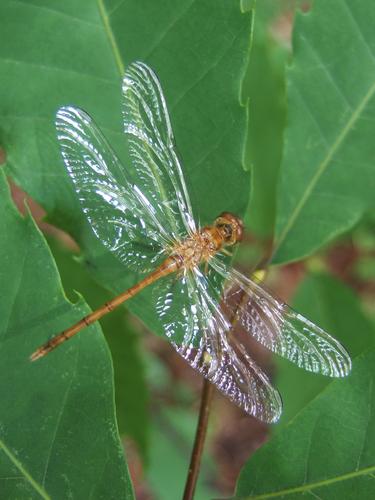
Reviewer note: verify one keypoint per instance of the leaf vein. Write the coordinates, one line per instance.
(58, 69)
(213, 148)
(325, 162)
(23, 471)
(204, 74)
(116, 7)
(58, 421)
(305, 102)
(168, 29)
(16, 288)
(57, 12)
(318, 484)
(357, 27)
(364, 441)
(326, 71)
(111, 38)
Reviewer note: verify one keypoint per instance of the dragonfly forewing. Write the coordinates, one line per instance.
(118, 212)
(157, 169)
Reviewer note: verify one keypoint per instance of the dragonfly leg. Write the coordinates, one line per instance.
(206, 267)
(226, 252)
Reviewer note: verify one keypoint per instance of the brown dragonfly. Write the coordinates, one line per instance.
(144, 217)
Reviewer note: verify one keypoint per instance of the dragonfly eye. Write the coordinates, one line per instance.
(226, 231)
(231, 227)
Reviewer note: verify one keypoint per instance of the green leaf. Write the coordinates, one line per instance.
(132, 397)
(264, 88)
(58, 431)
(328, 170)
(335, 307)
(327, 451)
(129, 373)
(76, 53)
(51, 53)
(172, 434)
(199, 50)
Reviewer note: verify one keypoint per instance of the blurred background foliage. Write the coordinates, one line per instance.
(332, 282)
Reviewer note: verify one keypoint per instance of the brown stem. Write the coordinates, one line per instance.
(200, 435)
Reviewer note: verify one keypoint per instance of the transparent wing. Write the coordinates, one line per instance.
(119, 213)
(282, 330)
(189, 310)
(152, 150)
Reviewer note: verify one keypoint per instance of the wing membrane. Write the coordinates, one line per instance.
(137, 213)
(151, 145)
(117, 210)
(190, 313)
(276, 326)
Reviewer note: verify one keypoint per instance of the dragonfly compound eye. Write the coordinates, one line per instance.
(226, 231)
(231, 227)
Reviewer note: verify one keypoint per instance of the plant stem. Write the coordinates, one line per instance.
(204, 411)
(200, 435)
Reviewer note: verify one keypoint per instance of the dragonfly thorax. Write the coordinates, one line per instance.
(205, 243)
(198, 248)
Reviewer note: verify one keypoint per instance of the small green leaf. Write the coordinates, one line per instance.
(264, 89)
(328, 168)
(327, 451)
(335, 307)
(172, 434)
(58, 431)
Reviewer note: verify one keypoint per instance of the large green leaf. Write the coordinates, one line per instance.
(335, 307)
(58, 431)
(327, 451)
(198, 49)
(54, 53)
(51, 53)
(328, 169)
(76, 52)
(129, 373)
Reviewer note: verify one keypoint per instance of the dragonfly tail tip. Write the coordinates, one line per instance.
(36, 355)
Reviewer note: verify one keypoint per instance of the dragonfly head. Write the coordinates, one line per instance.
(230, 227)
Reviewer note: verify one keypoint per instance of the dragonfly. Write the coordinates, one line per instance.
(143, 215)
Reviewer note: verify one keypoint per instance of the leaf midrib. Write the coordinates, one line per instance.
(111, 38)
(60, 415)
(318, 484)
(324, 164)
(24, 472)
